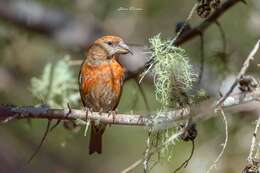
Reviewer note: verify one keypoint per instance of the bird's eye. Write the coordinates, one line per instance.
(109, 43)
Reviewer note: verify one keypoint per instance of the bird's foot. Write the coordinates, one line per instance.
(87, 110)
(70, 110)
(113, 113)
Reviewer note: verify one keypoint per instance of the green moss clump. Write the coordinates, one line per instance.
(173, 74)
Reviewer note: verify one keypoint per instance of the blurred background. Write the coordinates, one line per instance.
(68, 27)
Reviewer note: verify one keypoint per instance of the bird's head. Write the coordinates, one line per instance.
(113, 45)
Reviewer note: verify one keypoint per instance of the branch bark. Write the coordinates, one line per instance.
(234, 103)
(196, 31)
(241, 73)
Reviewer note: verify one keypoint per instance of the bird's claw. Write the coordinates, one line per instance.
(113, 113)
(70, 110)
(86, 109)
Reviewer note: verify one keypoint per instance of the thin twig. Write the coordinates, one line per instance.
(133, 166)
(253, 143)
(41, 143)
(196, 31)
(143, 95)
(225, 143)
(153, 165)
(142, 75)
(147, 151)
(185, 23)
(202, 58)
(223, 35)
(186, 162)
(55, 125)
(257, 154)
(170, 43)
(241, 73)
(153, 151)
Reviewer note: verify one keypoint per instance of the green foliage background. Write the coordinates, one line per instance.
(24, 56)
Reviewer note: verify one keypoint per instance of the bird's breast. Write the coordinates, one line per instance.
(101, 84)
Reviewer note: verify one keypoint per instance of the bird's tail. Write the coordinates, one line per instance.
(95, 144)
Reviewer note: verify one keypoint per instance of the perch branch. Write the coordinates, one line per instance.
(234, 103)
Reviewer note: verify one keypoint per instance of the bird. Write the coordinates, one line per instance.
(101, 79)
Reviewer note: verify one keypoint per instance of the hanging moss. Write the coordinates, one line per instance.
(173, 74)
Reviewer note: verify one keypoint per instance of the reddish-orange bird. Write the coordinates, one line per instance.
(100, 82)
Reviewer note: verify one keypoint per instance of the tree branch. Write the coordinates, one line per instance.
(65, 28)
(139, 55)
(196, 31)
(240, 74)
(234, 103)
